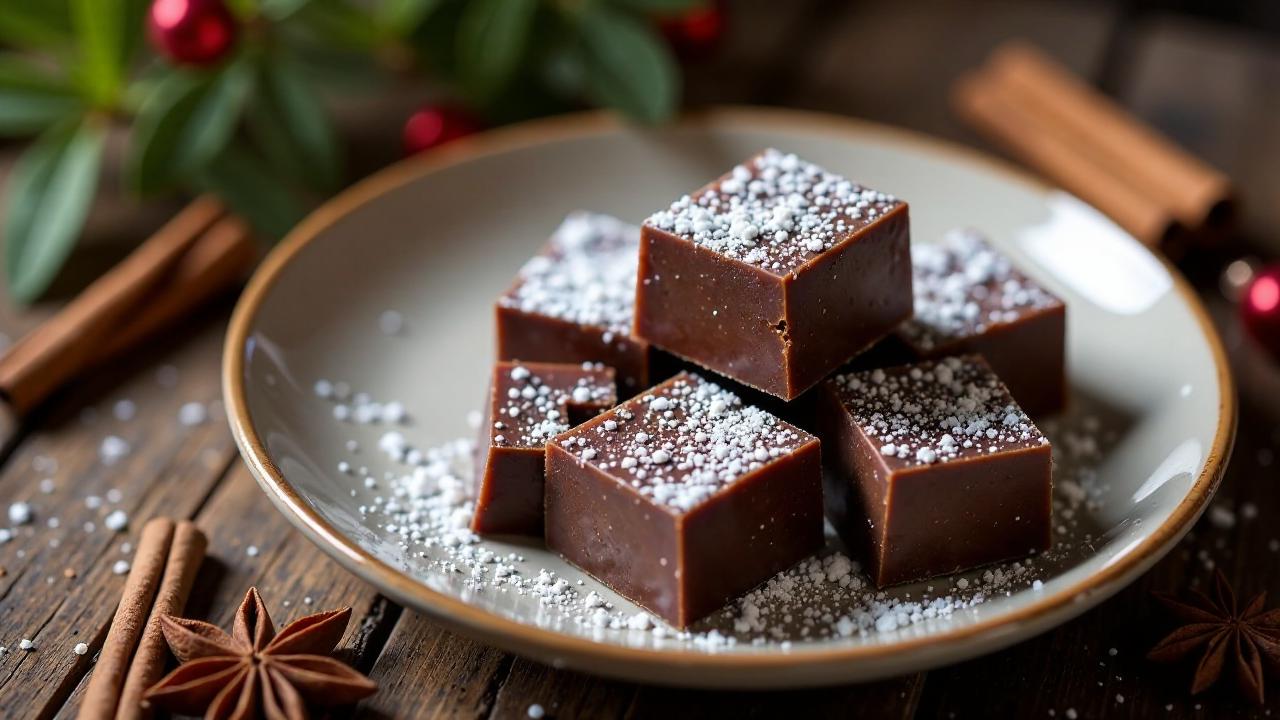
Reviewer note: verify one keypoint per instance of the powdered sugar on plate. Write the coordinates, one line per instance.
(418, 495)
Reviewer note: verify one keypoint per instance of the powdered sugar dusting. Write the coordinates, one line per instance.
(774, 211)
(529, 409)
(963, 287)
(420, 498)
(936, 411)
(683, 441)
(586, 274)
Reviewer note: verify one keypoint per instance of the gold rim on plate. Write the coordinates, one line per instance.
(549, 645)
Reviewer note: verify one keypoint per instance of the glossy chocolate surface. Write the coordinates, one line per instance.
(932, 468)
(969, 298)
(573, 301)
(528, 404)
(683, 497)
(775, 274)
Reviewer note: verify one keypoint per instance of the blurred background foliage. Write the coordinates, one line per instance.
(235, 97)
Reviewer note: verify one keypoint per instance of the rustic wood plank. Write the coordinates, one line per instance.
(1214, 90)
(893, 698)
(427, 671)
(59, 588)
(895, 62)
(294, 577)
(561, 693)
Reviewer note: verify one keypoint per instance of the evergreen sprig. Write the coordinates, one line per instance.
(253, 128)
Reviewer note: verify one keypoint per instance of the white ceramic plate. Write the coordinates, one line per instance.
(437, 239)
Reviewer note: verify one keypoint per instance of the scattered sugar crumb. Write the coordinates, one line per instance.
(120, 567)
(251, 551)
(391, 322)
(80, 649)
(116, 521)
(536, 711)
(20, 513)
(113, 449)
(192, 414)
(26, 644)
(124, 410)
(1222, 517)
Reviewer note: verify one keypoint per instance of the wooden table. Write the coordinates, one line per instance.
(1215, 89)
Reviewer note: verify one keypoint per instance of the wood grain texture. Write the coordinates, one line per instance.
(59, 588)
(882, 60)
(427, 671)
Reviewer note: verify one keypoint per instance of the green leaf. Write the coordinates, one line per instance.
(35, 24)
(400, 17)
(340, 24)
(134, 24)
(659, 6)
(248, 188)
(492, 36)
(628, 68)
(48, 200)
(280, 9)
(100, 36)
(185, 123)
(292, 126)
(31, 99)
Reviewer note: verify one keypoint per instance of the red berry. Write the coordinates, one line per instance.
(192, 32)
(1260, 309)
(434, 125)
(697, 32)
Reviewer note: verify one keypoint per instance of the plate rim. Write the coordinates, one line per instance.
(531, 640)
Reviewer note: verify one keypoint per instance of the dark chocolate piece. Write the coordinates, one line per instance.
(969, 298)
(683, 498)
(774, 275)
(573, 301)
(933, 468)
(527, 405)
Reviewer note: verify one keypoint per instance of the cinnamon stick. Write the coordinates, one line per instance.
(185, 555)
(102, 697)
(52, 353)
(220, 257)
(992, 108)
(1189, 189)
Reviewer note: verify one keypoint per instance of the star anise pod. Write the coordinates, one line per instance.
(1222, 632)
(253, 671)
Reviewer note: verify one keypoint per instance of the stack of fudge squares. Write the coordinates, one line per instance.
(677, 407)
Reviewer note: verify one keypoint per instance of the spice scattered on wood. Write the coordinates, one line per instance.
(1222, 633)
(254, 668)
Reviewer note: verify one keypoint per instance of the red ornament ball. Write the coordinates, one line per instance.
(696, 32)
(1260, 309)
(192, 32)
(435, 125)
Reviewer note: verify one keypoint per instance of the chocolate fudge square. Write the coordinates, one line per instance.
(774, 275)
(573, 301)
(969, 298)
(684, 497)
(527, 405)
(932, 468)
